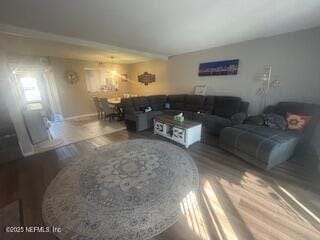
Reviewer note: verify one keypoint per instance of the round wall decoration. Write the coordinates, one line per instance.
(128, 190)
(71, 77)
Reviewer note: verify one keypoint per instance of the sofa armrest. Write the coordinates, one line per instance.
(238, 118)
(255, 120)
(140, 119)
(244, 107)
(133, 116)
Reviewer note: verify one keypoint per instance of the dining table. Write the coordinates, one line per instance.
(116, 103)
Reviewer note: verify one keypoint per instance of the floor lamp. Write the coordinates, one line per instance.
(266, 84)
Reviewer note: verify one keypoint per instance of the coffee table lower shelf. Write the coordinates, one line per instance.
(183, 135)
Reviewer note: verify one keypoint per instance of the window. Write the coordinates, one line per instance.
(30, 89)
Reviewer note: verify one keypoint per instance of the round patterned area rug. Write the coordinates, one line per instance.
(129, 190)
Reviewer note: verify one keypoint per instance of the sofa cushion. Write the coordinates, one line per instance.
(190, 115)
(146, 109)
(244, 106)
(209, 104)
(294, 107)
(127, 105)
(191, 108)
(260, 145)
(151, 115)
(238, 118)
(225, 106)
(194, 103)
(171, 112)
(140, 102)
(176, 98)
(273, 120)
(157, 102)
(195, 99)
(176, 101)
(299, 108)
(133, 115)
(214, 124)
(187, 114)
(255, 120)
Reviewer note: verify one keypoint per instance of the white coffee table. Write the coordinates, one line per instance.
(185, 133)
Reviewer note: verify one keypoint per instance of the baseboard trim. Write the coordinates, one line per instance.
(81, 116)
(28, 153)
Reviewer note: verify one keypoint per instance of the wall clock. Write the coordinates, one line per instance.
(71, 77)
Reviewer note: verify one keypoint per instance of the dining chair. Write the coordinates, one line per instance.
(108, 111)
(116, 103)
(99, 109)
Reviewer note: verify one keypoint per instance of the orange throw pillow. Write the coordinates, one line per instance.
(297, 122)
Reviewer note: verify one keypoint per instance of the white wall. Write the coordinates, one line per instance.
(13, 106)
(294, 57)
(160, 86)
(75, 99)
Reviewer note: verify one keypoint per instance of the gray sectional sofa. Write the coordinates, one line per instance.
(266, 147)
(226, 116)
(214, 112)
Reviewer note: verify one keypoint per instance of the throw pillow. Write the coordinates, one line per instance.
(274, 121)
(226, 107)
(146, 109)
(255, 120)
(297, 122)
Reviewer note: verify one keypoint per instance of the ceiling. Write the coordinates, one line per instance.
(162, 27)
(37, 47)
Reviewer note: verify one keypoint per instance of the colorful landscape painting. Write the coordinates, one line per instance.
(228, 67)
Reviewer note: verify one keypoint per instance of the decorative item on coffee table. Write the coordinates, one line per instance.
(179, 117)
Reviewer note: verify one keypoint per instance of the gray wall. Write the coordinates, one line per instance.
(294, 57)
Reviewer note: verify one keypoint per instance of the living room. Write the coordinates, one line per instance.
(160, 125)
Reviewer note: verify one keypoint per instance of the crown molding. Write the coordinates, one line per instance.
(29, 33)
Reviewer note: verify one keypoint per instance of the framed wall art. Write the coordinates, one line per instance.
(227, 67)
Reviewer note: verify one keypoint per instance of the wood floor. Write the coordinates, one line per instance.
(236, 201)
(79, 129)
